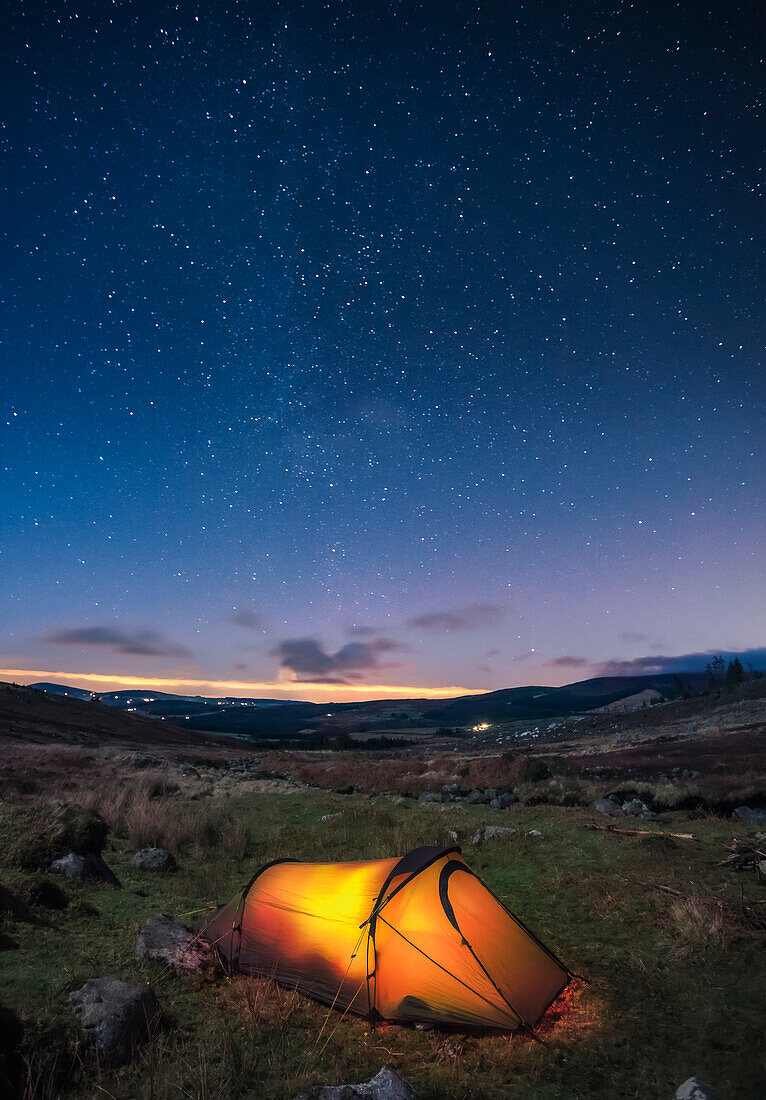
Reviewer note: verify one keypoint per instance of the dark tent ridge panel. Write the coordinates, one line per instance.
(419, 939)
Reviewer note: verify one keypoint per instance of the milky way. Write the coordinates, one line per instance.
(380, 343)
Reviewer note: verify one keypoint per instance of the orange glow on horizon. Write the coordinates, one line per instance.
(275, 689)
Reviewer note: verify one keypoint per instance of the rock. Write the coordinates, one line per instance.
(477, 798)
(117, 1015)
(89, 866)
(648, 815)
(11, 1060)
(141, 761)
(451, 789)
(46, 894)
(490, 793)
(429, 796)
(762, 868)
(166, 940)
(188, 771)
(750, 816)
(534, 832)
(154, 859)
(331, 817)
(606, 806)
(502, 802)
(634, 807)
(385, 1085)
(694, 1089)
(493, 832)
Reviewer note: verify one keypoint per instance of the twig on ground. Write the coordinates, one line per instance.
(638, 832)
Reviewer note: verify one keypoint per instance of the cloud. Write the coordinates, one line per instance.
(248, 619)
(567, 662)
(460, 618)
(130, 643)
(307, 658)
(684, 662)
(634, 636)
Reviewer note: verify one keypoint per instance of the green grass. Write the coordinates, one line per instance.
(672, 991)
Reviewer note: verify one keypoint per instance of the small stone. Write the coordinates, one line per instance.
(332, 817)
(117, 1015)
(385, 1085)
(154, 859)
(166, 940)
(648, 815)
(534, 832)
(606, 806)
(495, 832)
(694, 1089)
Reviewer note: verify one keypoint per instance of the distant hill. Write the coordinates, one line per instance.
(278, 718)
(143, 717)
(160, 704)
(33, 717)
(533, 703)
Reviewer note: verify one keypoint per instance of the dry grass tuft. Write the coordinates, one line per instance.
(700, 921)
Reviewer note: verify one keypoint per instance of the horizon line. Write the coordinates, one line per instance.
(275, 688)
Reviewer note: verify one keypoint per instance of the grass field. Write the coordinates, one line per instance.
(668, 940)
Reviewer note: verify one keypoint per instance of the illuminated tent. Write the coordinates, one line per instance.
(413, 940)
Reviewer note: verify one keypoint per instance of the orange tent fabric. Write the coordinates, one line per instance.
(413, 940)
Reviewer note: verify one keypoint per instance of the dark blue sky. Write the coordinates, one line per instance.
(380, 343)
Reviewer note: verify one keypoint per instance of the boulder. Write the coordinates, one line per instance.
(89, 866)
(648, 815)
(385, 1085)
(502, 802)
(154, 859)
(694, 1089)
(188, 771)
(490, 793)
(477, 798)
(493, 832)
(452, 790)
(750, 816)
(429, 796)
(117, 1015)
(606, 806)
(166, 940)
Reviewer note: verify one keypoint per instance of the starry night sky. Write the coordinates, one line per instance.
(380, 343)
